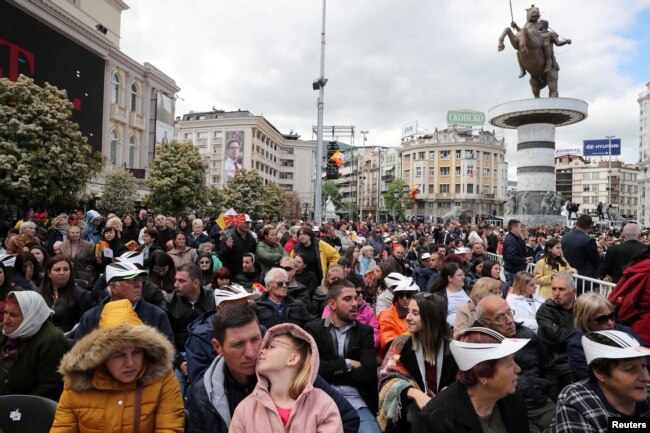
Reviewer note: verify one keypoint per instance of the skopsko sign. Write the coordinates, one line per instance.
(465, 118)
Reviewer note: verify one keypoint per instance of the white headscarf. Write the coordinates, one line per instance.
(35, 313)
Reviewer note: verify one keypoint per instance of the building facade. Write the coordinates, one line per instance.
(456, 167)
(588, 183)
(233, 140)
(74, 45)
(644, 157)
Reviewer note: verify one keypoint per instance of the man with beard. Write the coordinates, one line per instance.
(533, 387)
(392, 321)
(347, 353)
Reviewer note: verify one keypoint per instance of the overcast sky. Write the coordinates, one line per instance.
(390, 62)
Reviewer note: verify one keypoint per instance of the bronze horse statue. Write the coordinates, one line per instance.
(535, 52)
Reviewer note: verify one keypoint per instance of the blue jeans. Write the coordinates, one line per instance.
(368, 422)
(509, 278)
(181, 379)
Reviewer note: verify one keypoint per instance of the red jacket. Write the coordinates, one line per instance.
(631, 298)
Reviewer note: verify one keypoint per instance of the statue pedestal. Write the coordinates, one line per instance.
(535, 121)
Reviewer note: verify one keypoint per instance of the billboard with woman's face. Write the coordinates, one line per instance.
(234, 153)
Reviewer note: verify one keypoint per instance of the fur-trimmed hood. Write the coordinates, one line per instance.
(78, 366)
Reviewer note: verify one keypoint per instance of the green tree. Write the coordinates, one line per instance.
(176, 179)
(396, 198)
(331, 189)
(273, 201)
(243, 192)
(214, 203)
(44, 158)
(119, 194)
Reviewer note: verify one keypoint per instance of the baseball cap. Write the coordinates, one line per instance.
(461, 250)
(232, 292)
(122, 271)
(247, 218)
(407, 285)
(8, 260)
(134, 257)
(467, 355)
(425, 256)
(626, 346)
(393, 279)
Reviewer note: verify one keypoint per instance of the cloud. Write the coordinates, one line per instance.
(388, 62)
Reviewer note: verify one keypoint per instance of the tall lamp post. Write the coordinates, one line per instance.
(319, 85)
(609, 170)
(361, 186)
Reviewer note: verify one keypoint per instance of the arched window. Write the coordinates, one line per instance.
(134, 97)
(115, 88)
(112, 151)
(132, 149)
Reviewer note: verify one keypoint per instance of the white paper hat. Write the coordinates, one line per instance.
(406, 285)
(628, 347)
(467, 355)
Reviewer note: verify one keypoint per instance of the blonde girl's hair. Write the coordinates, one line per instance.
(303, 347)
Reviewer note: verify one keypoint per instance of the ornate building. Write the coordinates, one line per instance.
(644, 157)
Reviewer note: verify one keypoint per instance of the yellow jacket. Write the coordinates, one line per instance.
(94, 401)
(543, 275)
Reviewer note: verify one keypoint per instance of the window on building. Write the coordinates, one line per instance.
(457, 171)
(201, 117)
(457, 188)
(457, 154)
(188, 135)
(444, 188)
(134, 98)
(444, 154)
(216, 134)
(132, 149)
(432, 188)
(407, 159)
(470, 188)
(432, 155)
(486, 172)
(112, 151)
(486, 189)
(486, 156)
(115, 88)
(407, 174)
(202, 135)
(421, 155)
(444, 171)
(469, 154)
(418, 171)
(432, 171)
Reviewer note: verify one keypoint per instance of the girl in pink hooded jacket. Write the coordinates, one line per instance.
(284, 399)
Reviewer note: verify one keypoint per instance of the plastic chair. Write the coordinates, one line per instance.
(26, 413)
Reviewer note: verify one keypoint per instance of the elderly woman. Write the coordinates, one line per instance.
(196, 236)
(27, 236)
(617, 385)
(592, 312)
(62, 294)
(119, 378)
(81, 253)
(418, 363)
(481, 399)
(366, 260)
(466, 314)
(30, 348)
(523, 300)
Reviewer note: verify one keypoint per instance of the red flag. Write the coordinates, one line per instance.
(414, 192)
(233, 220)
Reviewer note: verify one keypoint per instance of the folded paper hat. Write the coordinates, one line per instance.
(626, 346)
(467, 355)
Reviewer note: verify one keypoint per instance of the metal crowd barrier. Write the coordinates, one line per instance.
(584, 284)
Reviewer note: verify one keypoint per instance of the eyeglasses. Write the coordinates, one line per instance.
(288, 268)
(204, 263)
(501, 318)
(601, 320)
(282, 283)
(404, 295)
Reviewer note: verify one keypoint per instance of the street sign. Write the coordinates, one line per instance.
(465, 118)
(601, 147)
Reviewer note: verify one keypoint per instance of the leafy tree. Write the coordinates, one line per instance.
(331, 189)
(44, 158)
(176, 179)
(293, 205)
(119, 194)
(396, 198)
(215, 201)
(273, 201)
(243, 192)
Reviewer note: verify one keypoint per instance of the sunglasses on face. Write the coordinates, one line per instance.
(288, 268)
(601, 320)
(404, 295)
(282, 283)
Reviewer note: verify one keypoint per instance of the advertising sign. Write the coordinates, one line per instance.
(234, 153)
(410, 129)
(465, 118)
(164, 119)
(569, 151)
(602, 147)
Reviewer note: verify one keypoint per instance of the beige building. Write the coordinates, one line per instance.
(456, 167)
(644, 157)
(277, 157)
(126, 134)
(586, 183)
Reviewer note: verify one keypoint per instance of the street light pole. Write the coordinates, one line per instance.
(609, 170)
(320, 86)
(361, 186)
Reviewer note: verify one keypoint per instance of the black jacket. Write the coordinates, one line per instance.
(533, 385)
(232, 257)
(617, 257)
(358, 346)
(555, 328)
(514, 253)
(581, 251)
(181, 313)
(295, 312)
(451, 411)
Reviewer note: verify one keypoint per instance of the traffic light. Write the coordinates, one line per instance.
(332, 169)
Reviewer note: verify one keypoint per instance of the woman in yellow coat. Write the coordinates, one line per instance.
(110, 369)
(549, 265)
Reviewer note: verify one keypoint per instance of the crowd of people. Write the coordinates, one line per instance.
(150, 323)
